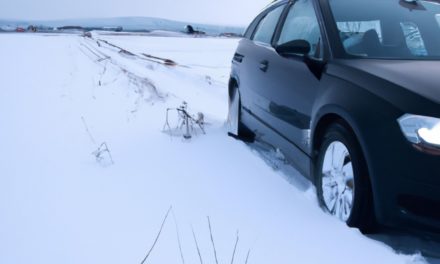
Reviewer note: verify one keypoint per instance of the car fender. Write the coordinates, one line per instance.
(366, 114)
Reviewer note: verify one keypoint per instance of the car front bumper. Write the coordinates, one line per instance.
(406, 184)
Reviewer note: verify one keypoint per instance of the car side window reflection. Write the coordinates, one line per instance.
(413, 39)
(302, 23)
(267, 25)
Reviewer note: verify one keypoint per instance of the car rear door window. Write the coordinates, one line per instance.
(302, 23)
(267, 25)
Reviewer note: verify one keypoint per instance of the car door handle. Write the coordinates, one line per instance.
(238, 58)
(264, 65)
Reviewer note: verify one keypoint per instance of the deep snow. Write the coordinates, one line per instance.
(61, 96)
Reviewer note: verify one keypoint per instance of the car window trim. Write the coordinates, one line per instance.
(281, 23)
(327, 52)
(335, 47)
(264, 15)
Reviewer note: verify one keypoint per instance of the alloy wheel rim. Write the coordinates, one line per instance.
(338, 186)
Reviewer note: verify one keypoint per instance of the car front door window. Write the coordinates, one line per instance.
(302, 23)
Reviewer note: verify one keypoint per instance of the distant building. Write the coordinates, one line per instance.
(7, 28)
(20, 29)
(42, 28)
(71, 28)
(87, 34)
(32, 28)
(191, 31)
(115, 29)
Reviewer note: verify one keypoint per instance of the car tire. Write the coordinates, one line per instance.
(236, 129)
(342, 179)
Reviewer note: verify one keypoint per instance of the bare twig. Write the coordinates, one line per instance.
(235, 247)
(101, 75)
(197, 246)
(249, 251)
(212, 240)
(247, 256)
(88, 131)
(102, 149)
(178, 237)
(158, 235)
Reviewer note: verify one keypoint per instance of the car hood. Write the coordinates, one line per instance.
(419, 77)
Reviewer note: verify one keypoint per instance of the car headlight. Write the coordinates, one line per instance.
(421, 130)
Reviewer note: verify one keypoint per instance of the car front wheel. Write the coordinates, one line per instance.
(342, 179)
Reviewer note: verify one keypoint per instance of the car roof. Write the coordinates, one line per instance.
(276, 2)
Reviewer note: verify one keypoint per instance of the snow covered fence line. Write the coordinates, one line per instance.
(95, 52)
(148, 57)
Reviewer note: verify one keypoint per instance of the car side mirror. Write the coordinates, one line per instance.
(295, 47)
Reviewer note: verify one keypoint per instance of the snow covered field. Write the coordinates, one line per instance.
(62, 96)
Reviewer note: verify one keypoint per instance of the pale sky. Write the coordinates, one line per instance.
(231, 12)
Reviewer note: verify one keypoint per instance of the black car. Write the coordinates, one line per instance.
(349, 91)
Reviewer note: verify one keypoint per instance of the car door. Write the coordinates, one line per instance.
(291, 83)
(252, 55)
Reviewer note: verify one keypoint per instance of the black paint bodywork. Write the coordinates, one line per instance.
(289, 102)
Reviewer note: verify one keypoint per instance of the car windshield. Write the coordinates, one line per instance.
(389, 29)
